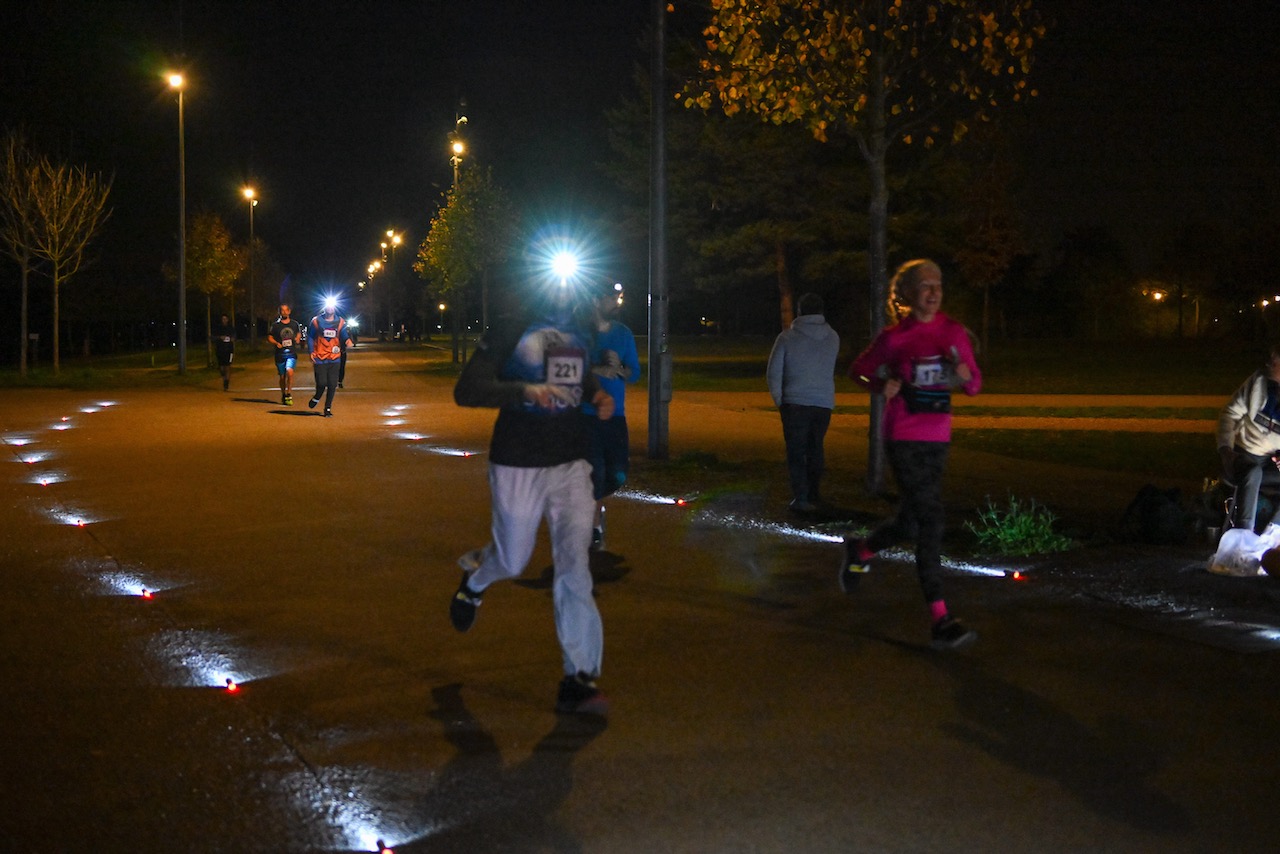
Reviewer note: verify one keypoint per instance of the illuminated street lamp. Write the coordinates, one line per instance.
(442, 317)
(458, 147)
(178, 83)
(251, 197)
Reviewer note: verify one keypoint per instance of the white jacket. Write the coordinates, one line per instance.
(1243, 424)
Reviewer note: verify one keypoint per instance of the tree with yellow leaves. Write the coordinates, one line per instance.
(881, 71)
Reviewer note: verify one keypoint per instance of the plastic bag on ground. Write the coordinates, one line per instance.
(1240, 552)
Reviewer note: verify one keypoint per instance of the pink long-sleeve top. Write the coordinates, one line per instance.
(920, 355)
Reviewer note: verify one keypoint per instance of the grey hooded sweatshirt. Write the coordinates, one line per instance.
(803, 363)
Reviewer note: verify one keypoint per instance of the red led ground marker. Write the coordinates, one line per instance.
(232, 687)
(146, 594)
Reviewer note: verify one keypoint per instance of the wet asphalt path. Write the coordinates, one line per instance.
(754, 707)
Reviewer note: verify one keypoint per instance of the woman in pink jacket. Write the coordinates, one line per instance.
(915, 363)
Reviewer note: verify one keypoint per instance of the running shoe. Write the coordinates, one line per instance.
(311, 404)
(462, 608)
(288, 400)
(855, 562)
(579, 695)
(328, 413)
(950, 633)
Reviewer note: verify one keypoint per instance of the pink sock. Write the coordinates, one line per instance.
(939, 610)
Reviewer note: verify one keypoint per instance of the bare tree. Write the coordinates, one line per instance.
(71, 206)
(18, 217)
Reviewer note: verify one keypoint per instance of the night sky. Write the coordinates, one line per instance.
(1150, 114)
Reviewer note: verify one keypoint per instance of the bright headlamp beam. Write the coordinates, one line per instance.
(564, 265)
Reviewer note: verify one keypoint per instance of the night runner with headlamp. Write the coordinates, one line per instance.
(535, 371)
(915, 363)
(329, 337)
(615, 363)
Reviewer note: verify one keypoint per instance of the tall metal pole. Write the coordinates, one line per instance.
(182, 240)
(253, 321)
(659, 354)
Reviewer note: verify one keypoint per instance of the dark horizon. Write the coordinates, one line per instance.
(1148, 118)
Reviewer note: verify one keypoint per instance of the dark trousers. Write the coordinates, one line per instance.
(803, 430)
(326, 381)
(1250, 472)
(610, 454)
(918, 468)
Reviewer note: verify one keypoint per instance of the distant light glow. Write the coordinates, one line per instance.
(125, 583)
(202, 659)
(89, 410)
(33, 457)
(412, 437)
(646, 497)
(75, 518)
(746, 523)
(62, 425)
(17, 440)
(973, 568)
(448, 452)
(395, 422)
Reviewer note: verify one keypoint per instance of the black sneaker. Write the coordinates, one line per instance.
(579, 695)
(311, 404)
(597, 539)
(462, 608)
(328, 413)
(950, 633)
(852, 567)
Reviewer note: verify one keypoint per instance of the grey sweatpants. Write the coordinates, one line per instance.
(522, 497)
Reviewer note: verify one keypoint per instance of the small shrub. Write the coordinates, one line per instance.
(1021, 529)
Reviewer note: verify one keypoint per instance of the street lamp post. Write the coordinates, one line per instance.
(250, 196)
(393, 243)
(458, 147)
(176, 81)
(442, 318)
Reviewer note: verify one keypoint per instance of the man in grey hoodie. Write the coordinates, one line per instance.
(801, 376)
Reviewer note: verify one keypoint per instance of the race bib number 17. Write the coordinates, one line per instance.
(931, 372)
